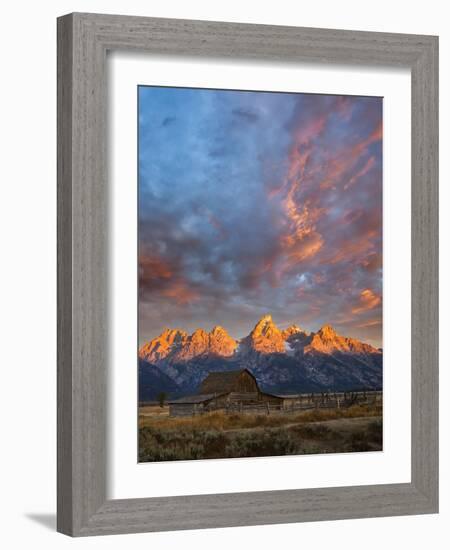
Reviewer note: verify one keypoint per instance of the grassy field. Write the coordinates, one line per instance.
(218, 435)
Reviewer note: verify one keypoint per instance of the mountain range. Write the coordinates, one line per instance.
(283, 361)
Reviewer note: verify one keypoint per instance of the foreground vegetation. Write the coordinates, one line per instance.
(218, 435)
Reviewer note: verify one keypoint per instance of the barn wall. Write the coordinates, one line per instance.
(246, 383)
(271, 399)
(249, 396)
(219, 401)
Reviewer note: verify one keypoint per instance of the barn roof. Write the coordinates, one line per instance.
(221, 382)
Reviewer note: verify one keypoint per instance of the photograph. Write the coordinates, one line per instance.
(222, 252)
(260, 273)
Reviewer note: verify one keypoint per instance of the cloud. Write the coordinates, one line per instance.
(180, 292)
(168, 120)
(256, 202)
(372, 262)
(371, 323)
(153, 268)
(367, 300)
(320, 170)
(246, 114)
(362, 172)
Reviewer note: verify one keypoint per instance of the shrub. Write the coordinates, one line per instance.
(221, 435)
(375, 430)
(360, 441)
(266, 443)
(176, 444)
(312, 431)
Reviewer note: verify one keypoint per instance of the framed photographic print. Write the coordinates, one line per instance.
(247, 274)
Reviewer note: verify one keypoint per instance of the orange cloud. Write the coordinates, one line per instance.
(367, 300)
(151, 268)
(368, 324)
(353, 249)
(303, 194)
(307, 132)
(344, 163)
(377, 134)
(346, 160)
(179, 292)
(157, 276)
(319, 278)
(364, 170)
(302, 240)
(316, 174)
(307, 246)
(372, 262)
(272, 191)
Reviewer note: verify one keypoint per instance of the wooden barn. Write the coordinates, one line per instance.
(223, 390)
(238, 385)
(238, 391)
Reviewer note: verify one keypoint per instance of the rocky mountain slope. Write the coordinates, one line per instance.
(152, 382)
(285, 361)
(173, 346)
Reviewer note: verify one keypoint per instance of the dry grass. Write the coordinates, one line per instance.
(153, 410)
(220, 421)
(217, 435)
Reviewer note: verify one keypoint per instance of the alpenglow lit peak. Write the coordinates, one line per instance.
(266, 337)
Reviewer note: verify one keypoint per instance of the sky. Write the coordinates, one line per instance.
(257, 202)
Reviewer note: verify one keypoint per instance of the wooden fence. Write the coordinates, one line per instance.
(303, 402)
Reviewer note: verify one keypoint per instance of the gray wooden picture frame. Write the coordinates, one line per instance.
(83, 41)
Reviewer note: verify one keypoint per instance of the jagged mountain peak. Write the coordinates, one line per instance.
(327, 340)
(292, 330)
(265, 325)
(327, 331)
(171, 335)
(217, 329)
(266, 337)
(221, 343)
(176, 345)
(282, 360)
(266, 318)
(199, 333)
(164, 344)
